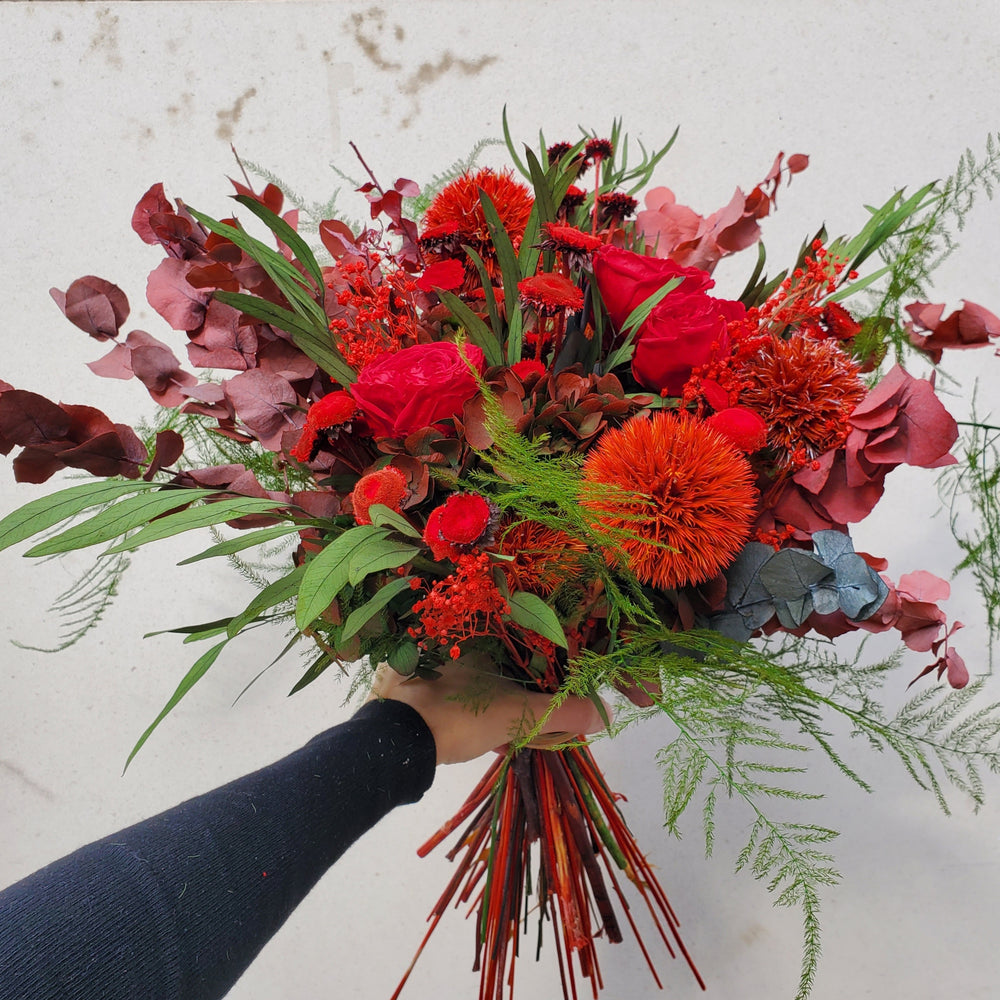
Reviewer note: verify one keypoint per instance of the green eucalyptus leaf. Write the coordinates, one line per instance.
(195, 517)
(404, 659)
(41, 514)
(245, 540)
(385, 517)
(327, 573)
(119, 518)
(531, 612)
(379, 554)
(359, 617)
(191, 678)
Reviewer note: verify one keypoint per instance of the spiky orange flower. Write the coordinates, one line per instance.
(543, 557)
(805, 390)
(458, 209)
(681, 496)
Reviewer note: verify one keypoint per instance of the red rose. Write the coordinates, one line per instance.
(417, 387)
(686, 330)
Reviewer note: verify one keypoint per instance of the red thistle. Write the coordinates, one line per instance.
(598, 149)
(325, 417)
(575, 245)
(614, 206)
(805, 390)
(682, 500)
(386, 486)
(549, 294)
(573, 198)
(458, 206)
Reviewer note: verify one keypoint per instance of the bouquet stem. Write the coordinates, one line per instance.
(553, 809)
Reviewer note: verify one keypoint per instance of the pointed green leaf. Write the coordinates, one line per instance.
(361, 616)
(277, 592)
(491, 301)
(204, 629)
(43, 513)
(510, 272)
(195, 674)
(379, 554)
(196, 517)
(315, 340)
(326, 574)
(119, 518)
(479, 333)
(287, 235)
(530, 611)
(245, 540)
(385, 517)
(315, 669)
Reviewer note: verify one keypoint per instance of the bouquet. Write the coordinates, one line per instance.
(512, 420)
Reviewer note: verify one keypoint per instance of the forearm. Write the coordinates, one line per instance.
(180, 904)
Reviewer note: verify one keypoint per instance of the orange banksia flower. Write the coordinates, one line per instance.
(805, 389)
(543, 557)
(681, 496)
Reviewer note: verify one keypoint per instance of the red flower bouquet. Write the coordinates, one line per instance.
(507, 422)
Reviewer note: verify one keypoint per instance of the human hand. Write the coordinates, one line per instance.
(470, 709)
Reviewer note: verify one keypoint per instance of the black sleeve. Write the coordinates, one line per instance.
(179, 905)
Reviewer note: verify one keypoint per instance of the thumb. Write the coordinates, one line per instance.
(575, 716)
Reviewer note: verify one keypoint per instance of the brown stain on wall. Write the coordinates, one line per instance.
(228, 117)
(370, 31)
(104, 40)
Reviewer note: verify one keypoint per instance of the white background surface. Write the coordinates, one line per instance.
(98, 101)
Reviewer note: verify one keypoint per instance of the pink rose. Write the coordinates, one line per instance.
(686, 330)
(417, 387)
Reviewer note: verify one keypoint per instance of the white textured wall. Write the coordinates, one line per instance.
(98, 101)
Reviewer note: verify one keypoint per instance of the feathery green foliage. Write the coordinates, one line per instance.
(975, 482)
(912, 254)
(732, 706)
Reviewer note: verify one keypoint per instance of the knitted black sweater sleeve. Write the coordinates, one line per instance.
(177, 907)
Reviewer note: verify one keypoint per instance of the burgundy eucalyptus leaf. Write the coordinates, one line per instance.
(170, 293)
(262, 402)
(27, 418)
(168, 448)
(153, 202)
(95, 305)
(281, 358)
(115, 364)
(222, 342)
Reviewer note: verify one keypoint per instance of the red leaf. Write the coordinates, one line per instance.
(262, 402)
(153, 202)
(173, 297)
(28, 419)
(169, 447)
(94, 305)
(222, 342)
(337, 238)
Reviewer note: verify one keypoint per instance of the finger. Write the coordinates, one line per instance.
(577, 715)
